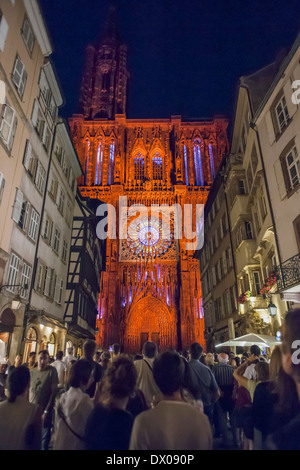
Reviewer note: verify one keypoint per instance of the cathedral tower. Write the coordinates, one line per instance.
(104, 84)
(151, 287)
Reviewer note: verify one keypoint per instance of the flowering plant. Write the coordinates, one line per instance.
(244, 297)
(269, 283)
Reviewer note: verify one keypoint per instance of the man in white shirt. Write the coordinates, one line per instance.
(61, 368)
(69, 358)
(172, 424)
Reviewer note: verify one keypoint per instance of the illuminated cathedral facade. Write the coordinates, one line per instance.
(150, 289)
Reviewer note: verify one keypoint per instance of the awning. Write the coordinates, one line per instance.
(263, 341)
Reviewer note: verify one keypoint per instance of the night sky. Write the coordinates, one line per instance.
(185, 56)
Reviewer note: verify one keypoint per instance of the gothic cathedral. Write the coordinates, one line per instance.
(150, 289)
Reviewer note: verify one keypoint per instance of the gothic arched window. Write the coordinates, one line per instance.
(212, 164)
(87, 161)
(139, 167)
(157, 167)
(111, 163)
(198, 164)
(186, 165)
(98, 176)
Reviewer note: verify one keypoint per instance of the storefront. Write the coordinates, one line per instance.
(7, 324)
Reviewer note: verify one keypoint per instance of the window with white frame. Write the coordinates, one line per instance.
(12, 279)
(40, 177)
(19, 76)
(256, 282)
(53, 188)
(47, 229)
(293, 166)
(40, 277)
(24, 215)
(33, 224)
(3, 31)
(25, 277)
(18, 204)
(2, 184)
(28, 35)
(262, 206)
(29, 160)
(56, 240)
(38, 119)
(8, 126)
(45, 88)
(242, 187)
(58, 296)
(61, 201)
(64, 251)
(69, 213)
(249, 231)
(282, 113)
(50, 280)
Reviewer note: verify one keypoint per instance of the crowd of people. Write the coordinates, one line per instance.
(185, 400)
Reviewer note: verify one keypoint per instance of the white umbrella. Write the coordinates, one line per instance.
(252, 338)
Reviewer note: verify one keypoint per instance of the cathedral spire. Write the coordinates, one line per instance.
(110, 32)
(104, 85)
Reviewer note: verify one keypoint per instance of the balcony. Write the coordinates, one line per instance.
(238, 208)
(244, 254)
(289, 276)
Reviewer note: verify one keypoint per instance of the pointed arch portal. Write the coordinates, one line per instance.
(150, 320)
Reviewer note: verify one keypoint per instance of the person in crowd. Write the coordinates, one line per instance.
(72, 410)
(237, 361)
(138, 357)
(287, 437)
(232, 362)
(31, 363)
(3, 379)
(185, 355)
(172, 424)
(105, 360)
(116, 351)
(210, 360)
(97, 356)
(250, 371)
(20, 421)
(89, 349)
(268, 412)
(61, 368)
(261, 374)
(17, 363)
(223, 373)
(69, 357)
(109, 425)
(202, 359)
(68, 372)
(7, 361)
(203, 380)
(144, 368)
(43, 391)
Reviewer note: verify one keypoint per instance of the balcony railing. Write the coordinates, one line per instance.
(288, 273)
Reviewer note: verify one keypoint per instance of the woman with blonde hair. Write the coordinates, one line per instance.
(210, 360)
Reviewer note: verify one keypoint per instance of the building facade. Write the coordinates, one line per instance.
(217, 266)
(277, 123)
(151, 287)
(38, 173)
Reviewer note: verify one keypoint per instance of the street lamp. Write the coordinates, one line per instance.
(16, 303)
(272, 309)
